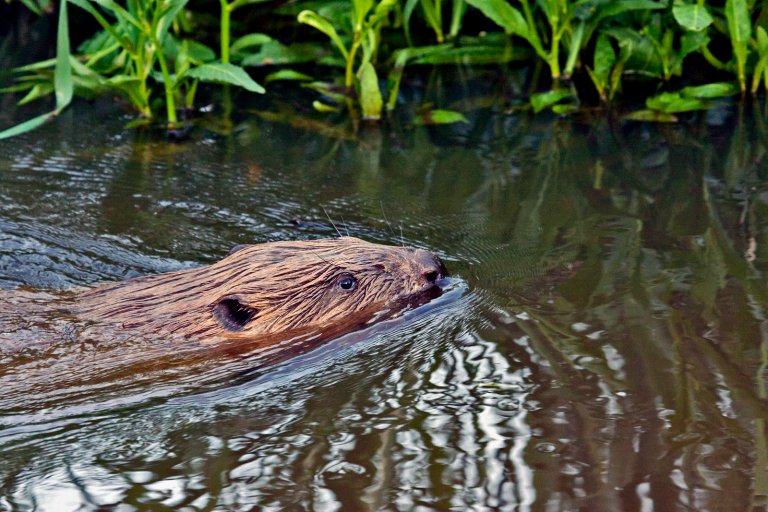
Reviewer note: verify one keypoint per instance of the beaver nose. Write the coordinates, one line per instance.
(431, 267)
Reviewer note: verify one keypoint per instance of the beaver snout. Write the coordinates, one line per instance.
(431, 268)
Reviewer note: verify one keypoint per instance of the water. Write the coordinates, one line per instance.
(602, 345)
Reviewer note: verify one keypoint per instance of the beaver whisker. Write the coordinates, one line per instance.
(331, 221)
(344, 223)
(386, 220)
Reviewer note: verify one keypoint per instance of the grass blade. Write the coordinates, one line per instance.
(62, 81)
(739, 29)
(27, 126)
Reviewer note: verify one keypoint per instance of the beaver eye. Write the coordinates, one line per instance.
(348, 283)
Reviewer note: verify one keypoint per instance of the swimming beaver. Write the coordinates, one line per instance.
(70, 349)
(324, 287)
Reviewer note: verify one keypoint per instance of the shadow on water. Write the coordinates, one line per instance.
(604, 347)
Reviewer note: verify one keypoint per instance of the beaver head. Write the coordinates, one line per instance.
(311, 287)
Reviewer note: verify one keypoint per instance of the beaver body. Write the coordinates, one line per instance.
(168, 327)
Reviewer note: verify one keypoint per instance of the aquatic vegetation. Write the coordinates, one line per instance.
(589, 49)
(135, 52)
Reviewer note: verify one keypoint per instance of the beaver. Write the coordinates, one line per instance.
(323, 287)
(259, 305)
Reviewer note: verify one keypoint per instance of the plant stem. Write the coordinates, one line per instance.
(226, 13)
(554, 56)
(170, 103)
(348, 80)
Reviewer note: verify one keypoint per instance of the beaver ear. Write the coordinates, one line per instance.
(232, 314)
(236, 248)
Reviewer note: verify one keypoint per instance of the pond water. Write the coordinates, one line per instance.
(602, 345)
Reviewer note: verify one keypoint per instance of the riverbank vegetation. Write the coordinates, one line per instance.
(351, 55)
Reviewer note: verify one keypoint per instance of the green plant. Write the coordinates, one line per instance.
(62, 80)
(225, 22)
(571, 25)
(134, 51)
(359, 52)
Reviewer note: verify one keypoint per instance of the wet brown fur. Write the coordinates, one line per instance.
(278, 288)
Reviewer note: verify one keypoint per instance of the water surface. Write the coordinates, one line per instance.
(602, 347)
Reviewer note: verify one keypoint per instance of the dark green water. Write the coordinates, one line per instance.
(603, 345)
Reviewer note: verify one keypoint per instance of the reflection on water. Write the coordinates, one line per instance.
(604, 346)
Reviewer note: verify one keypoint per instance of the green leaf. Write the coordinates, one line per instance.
(762, 42)
(692, 17)
(431, 117)
(287, 74)
(761, 68)
(565, 109)
(474, 55)
(27, 126)
(511, 20)
(614, 7)
(674, 102)
(36, 92)
(381, 11)
(239, 3)
(275, 53)
(709, 91)
(332, 91)
(36, 66)
(638, 52)
(651, 115)
(323, 25)
(401, 58)
(225, 74)
(249, 41)
(62, 80)
(544, 100)
(122, 15)
(360, 10)
(199, 53)
(168, 12)
(324, 107)
(410, 5)
(574, 47)
(96, 43)
(739, 30)
(603, 61)
(107, 26)
(371, 102)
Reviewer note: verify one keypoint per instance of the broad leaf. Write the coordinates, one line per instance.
(371, 102)
(544, 100)
(249, 41)
(674, 102)
(440, 117)
(275, 53)
(323, 25)
(225, 74)
(169, 11)
(739, 30)
(287, 74)
(603, 60)
(708, 91)
(692, 17)
(652, 116)
(509, 19)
